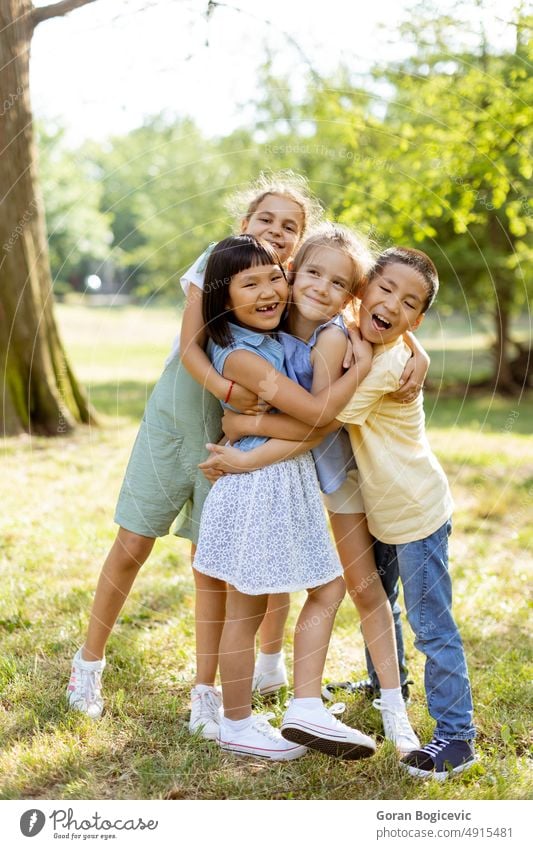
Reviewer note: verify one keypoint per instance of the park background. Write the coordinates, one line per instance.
(412, 123)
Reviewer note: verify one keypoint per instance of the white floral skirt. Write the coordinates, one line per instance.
(266, 532)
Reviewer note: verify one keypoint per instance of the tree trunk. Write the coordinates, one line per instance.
(38, 391)
(503, 375)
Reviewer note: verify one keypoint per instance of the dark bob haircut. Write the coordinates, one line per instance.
(228, 258)
(418, 261)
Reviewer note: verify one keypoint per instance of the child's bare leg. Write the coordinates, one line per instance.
(210, 611)
(272, 627)
(306, 720)
(354, 545)
(244, 614)
(127, 555)
(312, 636)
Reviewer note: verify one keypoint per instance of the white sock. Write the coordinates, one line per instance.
(268, 662)
(237, 724)
(308, 702)
(393, 698)
(202, 688)
(92, 664)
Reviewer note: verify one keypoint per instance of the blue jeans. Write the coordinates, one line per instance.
(423, 568)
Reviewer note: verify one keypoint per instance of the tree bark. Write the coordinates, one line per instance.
(38, 391)
(503, 375)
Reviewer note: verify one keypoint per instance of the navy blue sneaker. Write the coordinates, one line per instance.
(331, 691)
(440, 759)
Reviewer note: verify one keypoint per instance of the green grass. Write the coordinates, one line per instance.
(55, 529)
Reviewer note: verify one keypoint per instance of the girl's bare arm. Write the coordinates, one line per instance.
(260, 377)
(327, 358)
(224, 459)
(192, 343)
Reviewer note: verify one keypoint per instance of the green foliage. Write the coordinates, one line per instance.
(78, 231)
(165, 186)
(433, 151)
(458, 135)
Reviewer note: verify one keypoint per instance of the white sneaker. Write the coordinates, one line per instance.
(84, 691)
(259, 739)
(317, 728)
(206, 711)
(398, 728)
(267, 683)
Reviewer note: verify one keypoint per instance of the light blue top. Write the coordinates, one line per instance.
(334, 456)
(261, 344)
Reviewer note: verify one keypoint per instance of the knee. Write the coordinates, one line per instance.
(330, 595)
(205, 583)
(132, 548)
(368, 597)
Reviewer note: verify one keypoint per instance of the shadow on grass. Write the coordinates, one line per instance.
(126, 399)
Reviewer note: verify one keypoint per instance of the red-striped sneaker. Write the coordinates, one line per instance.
(258, 739)
(316, 728)
(84, 691)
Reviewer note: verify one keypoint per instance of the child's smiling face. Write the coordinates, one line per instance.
(392, 303)
(257, 297)
(321, 286)
(279, 221)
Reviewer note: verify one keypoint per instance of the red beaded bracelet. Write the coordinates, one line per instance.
(231, 385)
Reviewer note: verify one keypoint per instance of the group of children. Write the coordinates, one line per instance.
(266, 333)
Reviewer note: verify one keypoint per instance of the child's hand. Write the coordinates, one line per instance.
(212, 475)
(357, 349)
(247, 402)
(224, 459)
(241, 398)
(412, 379)
(231, 425)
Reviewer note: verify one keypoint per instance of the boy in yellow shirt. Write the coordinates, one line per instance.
(408, 502)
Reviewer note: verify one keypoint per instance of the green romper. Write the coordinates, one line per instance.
(162, 481)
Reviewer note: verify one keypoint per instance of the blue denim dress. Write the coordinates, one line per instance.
(334, 456)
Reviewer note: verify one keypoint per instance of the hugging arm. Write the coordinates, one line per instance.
(259, 376)
(415, 371)
(193, 356)
(327, 360)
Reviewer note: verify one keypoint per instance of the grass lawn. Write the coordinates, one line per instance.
(55, 529)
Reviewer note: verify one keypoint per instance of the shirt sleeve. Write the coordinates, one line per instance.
(195, 274)
(383, 377)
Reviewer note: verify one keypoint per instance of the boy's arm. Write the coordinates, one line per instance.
(415, 371)
(192, 343)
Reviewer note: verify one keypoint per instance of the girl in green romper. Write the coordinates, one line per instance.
(162, 481)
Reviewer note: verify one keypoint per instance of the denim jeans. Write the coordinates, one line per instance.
(423, 568)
